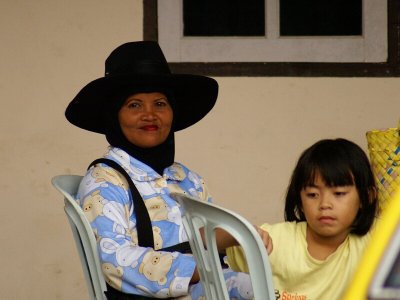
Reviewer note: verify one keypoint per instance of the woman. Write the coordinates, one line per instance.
(138, 106)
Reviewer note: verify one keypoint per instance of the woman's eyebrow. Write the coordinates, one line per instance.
(132, 99)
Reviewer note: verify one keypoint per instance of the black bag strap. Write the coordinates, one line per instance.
(143, 222)
(113, 294)
(181, 247)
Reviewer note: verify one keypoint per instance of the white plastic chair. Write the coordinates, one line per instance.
(84, 237)
(199, 214)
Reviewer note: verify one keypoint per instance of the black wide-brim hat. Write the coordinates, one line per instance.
(138, 67)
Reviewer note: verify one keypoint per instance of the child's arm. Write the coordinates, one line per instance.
(225, 240)
(236, 258)
(266, 238)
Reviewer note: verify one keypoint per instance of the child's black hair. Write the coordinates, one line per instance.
(339, 162)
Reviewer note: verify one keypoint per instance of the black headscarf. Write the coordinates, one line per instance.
(158, 157)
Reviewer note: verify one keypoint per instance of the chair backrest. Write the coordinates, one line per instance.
(199, 214)
(83, 234)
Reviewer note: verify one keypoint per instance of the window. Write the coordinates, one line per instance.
(277, 37)
(324, 18)
(223, 18)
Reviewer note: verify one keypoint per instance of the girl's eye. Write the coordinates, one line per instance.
(311, 195)
(340, 193)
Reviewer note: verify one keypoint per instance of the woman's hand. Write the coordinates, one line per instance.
(266, 239)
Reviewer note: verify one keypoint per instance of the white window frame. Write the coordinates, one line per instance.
(372, 47)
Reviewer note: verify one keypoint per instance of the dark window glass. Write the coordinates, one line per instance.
(223, 18)
(320, 17)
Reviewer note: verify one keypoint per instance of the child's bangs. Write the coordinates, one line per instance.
(332, 175)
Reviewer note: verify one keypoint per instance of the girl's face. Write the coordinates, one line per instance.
(329, 211)
(146, 119)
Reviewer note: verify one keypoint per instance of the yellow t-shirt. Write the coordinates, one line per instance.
(299, 276)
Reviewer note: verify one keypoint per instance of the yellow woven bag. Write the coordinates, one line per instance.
(384, 153)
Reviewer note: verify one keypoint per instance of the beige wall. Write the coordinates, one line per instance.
(245, 148)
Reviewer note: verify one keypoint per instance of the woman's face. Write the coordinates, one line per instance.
(146, 119)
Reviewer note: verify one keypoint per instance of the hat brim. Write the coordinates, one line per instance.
(194, 97)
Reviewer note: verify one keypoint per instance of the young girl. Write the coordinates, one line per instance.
(330, 208)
